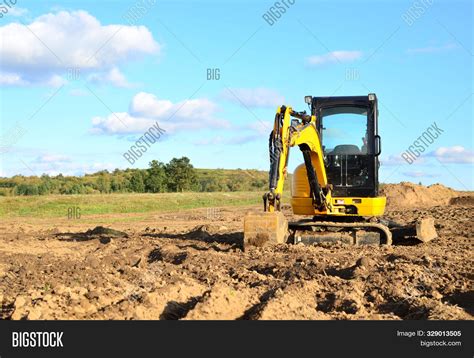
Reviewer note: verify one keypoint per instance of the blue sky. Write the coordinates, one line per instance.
(81, 81)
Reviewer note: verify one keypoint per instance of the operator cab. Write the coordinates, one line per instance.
(347, 128)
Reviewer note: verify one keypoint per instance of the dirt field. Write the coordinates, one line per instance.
(190, 265)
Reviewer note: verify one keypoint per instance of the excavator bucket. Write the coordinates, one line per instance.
(425, 230)
(265, 228)
(422, 229)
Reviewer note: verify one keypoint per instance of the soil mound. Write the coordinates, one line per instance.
(462, 200)
(407, 194)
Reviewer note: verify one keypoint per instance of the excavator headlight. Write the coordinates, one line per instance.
(371, 97)
(308, 99)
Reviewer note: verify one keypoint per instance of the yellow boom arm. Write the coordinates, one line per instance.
(303, 133)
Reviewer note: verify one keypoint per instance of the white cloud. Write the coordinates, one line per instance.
(146, 109)
(17, 11)
(253, 97)
(54, 164)
(15, 79)
(419, 174)
(52, 158)
(38, 162)
(334, 57)
(56, 81)
(69, 168)
(11, 79)
(120, 123)
(149, 105)
(69, 40)
(432, 49)
(114, 77)
(393, 160)
(456, 154)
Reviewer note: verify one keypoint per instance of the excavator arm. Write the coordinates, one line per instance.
(291, 129)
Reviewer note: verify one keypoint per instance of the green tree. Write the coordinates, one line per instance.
(46, 186)
(136, 182)
(119, 184)
(71, 187)
(234, 185)
(155, 181)
(76, 188)
(103, 183)
(209, 184)
(26, 189)
(181, 174)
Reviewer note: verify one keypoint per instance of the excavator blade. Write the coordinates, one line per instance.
(265, 228)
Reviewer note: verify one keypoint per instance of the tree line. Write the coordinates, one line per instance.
(177, 175)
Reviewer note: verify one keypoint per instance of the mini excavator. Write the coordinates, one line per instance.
(337, 183)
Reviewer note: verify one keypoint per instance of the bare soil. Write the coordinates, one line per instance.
(191, 265)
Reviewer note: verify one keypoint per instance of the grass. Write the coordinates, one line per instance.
(50, 206)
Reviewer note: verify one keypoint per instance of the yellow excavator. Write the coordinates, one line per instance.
(337, 184)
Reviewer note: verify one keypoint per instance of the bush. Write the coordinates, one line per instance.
(26, 189)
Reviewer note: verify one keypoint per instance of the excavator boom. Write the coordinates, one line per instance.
(287, 133)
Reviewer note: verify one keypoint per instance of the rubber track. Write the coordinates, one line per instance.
(355, 225)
